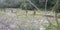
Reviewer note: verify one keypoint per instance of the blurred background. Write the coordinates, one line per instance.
(29, 14)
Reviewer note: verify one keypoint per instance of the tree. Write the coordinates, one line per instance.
(56, 11)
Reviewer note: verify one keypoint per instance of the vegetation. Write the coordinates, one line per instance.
(31, 13)
(25, 4)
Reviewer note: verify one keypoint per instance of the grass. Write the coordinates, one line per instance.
(22, 15)
(1, 14)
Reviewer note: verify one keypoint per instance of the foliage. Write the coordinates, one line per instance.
(24, 4)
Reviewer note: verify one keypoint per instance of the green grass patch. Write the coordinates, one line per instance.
(22, 15)
(1, 14)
